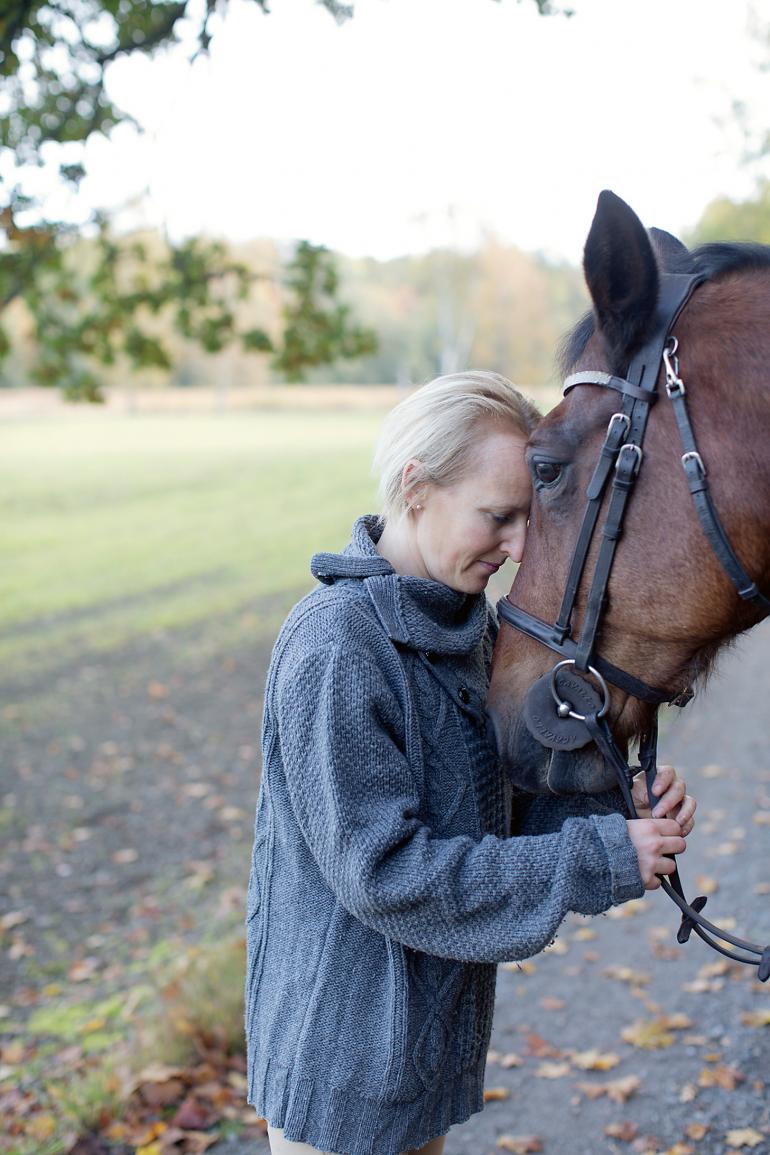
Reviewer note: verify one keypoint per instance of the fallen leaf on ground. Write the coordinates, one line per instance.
(618, 1090)
(705, 884)
(696, 1130)
(626, 909)
(13, 1052)
(743, 1137)
(725, 1077)
(595, 1060)
(520, 1144)
(493, 1094)
(526, 967)
(688, 1092)
(127, 854)
(653, 1034)
(540, 1048)
(13, 918)
(725, 849)
(626, 974)
(83, 969)
(624, 1131)
(757, 1018)
(703, 986)
(552, 1070)
(552, 1004)
(720, 966)
(558, 946)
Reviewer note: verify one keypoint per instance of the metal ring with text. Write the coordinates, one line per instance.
(568, 712)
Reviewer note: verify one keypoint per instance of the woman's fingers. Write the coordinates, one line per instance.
(669, 789)
(672, 799)
(676, 845)
(654, 839)
(685, 814)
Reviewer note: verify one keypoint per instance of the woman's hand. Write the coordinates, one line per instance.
(672, 801)
(653, 838)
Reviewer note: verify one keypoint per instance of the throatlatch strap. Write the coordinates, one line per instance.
(695, 472)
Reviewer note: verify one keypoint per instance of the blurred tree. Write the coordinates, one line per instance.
(54, 58)
(727, 220)
(501, 308)
(317, 327)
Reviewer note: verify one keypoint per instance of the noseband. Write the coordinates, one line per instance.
(549, 709)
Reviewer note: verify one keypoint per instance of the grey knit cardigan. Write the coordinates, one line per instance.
(385, 881)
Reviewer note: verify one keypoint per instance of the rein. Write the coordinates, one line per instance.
(549, 710)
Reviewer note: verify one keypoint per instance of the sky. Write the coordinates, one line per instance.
(423, 122)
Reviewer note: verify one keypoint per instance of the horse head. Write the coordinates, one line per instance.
(668, 606)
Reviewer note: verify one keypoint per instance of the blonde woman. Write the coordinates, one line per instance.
(385, 885)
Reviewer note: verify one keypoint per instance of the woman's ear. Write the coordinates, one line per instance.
(413, 484)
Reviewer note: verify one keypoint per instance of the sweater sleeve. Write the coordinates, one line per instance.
(339, 725)
(544, 813)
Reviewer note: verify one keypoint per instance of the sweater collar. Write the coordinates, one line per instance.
(417, 612)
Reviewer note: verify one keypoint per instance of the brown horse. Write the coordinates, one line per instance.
(670, 606)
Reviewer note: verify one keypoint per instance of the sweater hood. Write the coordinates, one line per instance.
(416, 612)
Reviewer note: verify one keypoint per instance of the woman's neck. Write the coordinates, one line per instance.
(398, 546)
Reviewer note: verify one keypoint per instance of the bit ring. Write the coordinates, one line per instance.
(564, 709)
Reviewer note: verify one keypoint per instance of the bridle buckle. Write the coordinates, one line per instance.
(693, 455)
(633, 448)
(620, 417)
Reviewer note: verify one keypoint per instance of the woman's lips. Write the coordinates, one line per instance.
(490, 566)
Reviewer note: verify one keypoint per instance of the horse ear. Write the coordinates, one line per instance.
(673, 256)
(622, 277)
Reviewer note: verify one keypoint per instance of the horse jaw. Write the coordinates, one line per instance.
(537, 770)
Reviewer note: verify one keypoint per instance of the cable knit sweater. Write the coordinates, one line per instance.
(385, 884)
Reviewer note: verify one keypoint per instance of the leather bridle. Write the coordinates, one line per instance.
(549, 714)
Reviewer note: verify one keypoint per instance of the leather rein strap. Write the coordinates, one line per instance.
(621, 458)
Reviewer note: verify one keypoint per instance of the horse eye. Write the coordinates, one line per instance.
(547, 472)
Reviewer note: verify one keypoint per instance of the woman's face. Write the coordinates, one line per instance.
(464, 532)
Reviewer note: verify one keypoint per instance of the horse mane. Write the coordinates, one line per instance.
(713, 260)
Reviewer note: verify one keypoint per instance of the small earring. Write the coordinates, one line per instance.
(417, 507)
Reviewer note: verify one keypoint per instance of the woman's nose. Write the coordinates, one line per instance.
(513, 544)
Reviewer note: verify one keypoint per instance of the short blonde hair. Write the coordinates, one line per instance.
(440, 424)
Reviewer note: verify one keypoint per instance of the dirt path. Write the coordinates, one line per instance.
(710, 1074)
(127, 809)
(128, 787)
(721, 745)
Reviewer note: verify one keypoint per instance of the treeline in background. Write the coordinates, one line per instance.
(411, 317)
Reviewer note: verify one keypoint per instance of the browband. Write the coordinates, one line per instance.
(610, 381)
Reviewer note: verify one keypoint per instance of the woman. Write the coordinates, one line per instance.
(385, 885)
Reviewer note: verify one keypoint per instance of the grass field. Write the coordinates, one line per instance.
(112, 526)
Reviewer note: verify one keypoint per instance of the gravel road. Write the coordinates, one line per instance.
(709, 1069)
